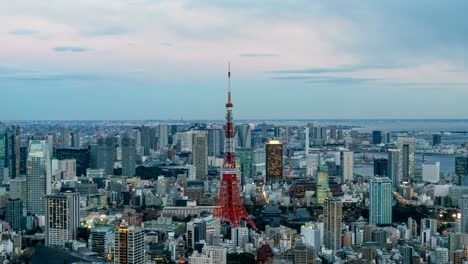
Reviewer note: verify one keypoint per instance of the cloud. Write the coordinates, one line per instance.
(340, 69)
(24, 32)
(255, 55)
(106, 31)
(70, 49)
(167, 44)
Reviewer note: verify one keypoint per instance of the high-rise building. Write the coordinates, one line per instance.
(463, 203)
(3, 156)
(239, 237)
(323, 189)
(461, 170)
(200, 154)
(347, 165)
(245, 163)
(304, 254)
(63, 169)
(148, 139)
(407, 254)
(163, 138)
(274, 160)
(431, 172)
(407, 157)
(81, 156)
(9, 152)
(105, 155)
(381, 167)
(394, 167)
(65, 135)
(39, 174)
(62, 218)
(128, 156)
(436, 139)
(102, 240)
(129, 245)
(75, 140)
(243, 136)
(215, 142)
(380, 196)
(14, 214)
(332, 217)
(217, 253)
(196, 232)
(376, 137)
(18, 189)
(440, 255)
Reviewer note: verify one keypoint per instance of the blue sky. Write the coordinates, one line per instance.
(142, 59)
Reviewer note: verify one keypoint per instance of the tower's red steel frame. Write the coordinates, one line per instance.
(229, 206)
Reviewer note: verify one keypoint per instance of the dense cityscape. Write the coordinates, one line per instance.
(211, 192)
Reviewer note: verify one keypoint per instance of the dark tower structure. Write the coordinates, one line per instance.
(229, 206)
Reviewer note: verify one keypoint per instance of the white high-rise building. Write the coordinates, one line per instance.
(347, 165)
(239, 237)
(463, 203)
(200, 154)
(129, 245)
(431, 172)
(163, 138)
(217, 253)
(380, 196)
(62, 218)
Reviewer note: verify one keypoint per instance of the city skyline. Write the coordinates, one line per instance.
(296, 60)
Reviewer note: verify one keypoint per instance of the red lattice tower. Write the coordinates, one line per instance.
(229, 206)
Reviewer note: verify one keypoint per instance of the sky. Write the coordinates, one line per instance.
(150, 59)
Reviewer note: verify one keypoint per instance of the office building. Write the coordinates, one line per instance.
(9, 153)
(102, 240)
(463, 204)
(64, 135)
(332, 217)
(129, 242)
(163, 138)
(407, 254)
(75, 140)
(128, 156)
(440, 255)
(380, 197)
(64, 169)
(304, 254)
(239, 237)
(62, 218)
(244, 161)
(377, 137)
(243, 136)
(105, 155)
(217, 253)
(196, 232)
(14, 214)
(18, 189)
(381, 167)
(406, 158)
(148, 139)
(323, 189)
(200, 154)
(346, 166)
(215, 142)
(82, 158)
(461, 170)
(274, 160)
(431, 172)
(436, 139)
(394, 167)
(39, 175)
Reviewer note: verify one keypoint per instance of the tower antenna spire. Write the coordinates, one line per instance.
(229, 82)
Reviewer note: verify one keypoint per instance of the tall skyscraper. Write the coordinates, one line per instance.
(394, 167)
(9, 152)
(245, 162)
(75, 140)
(129, 245)
(332, 217)
(274, 160)
(323, 189)
(376, 137)
(39, 174)
(215, 142)
(128, 156)
(62, 218)
(163, 138)
(407, 158)
(436, 139)
(461, 170)
(18, 189)
(3, 156)
(64, 135)
(200, 154)
(14, 214)
(148, 139)
(380, 196)
(105, 155)
(381, 167)
(243, 136)
(306, 140)
(463, 203)
(347, 166)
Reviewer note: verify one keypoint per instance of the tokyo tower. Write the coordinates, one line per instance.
(229, 206)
